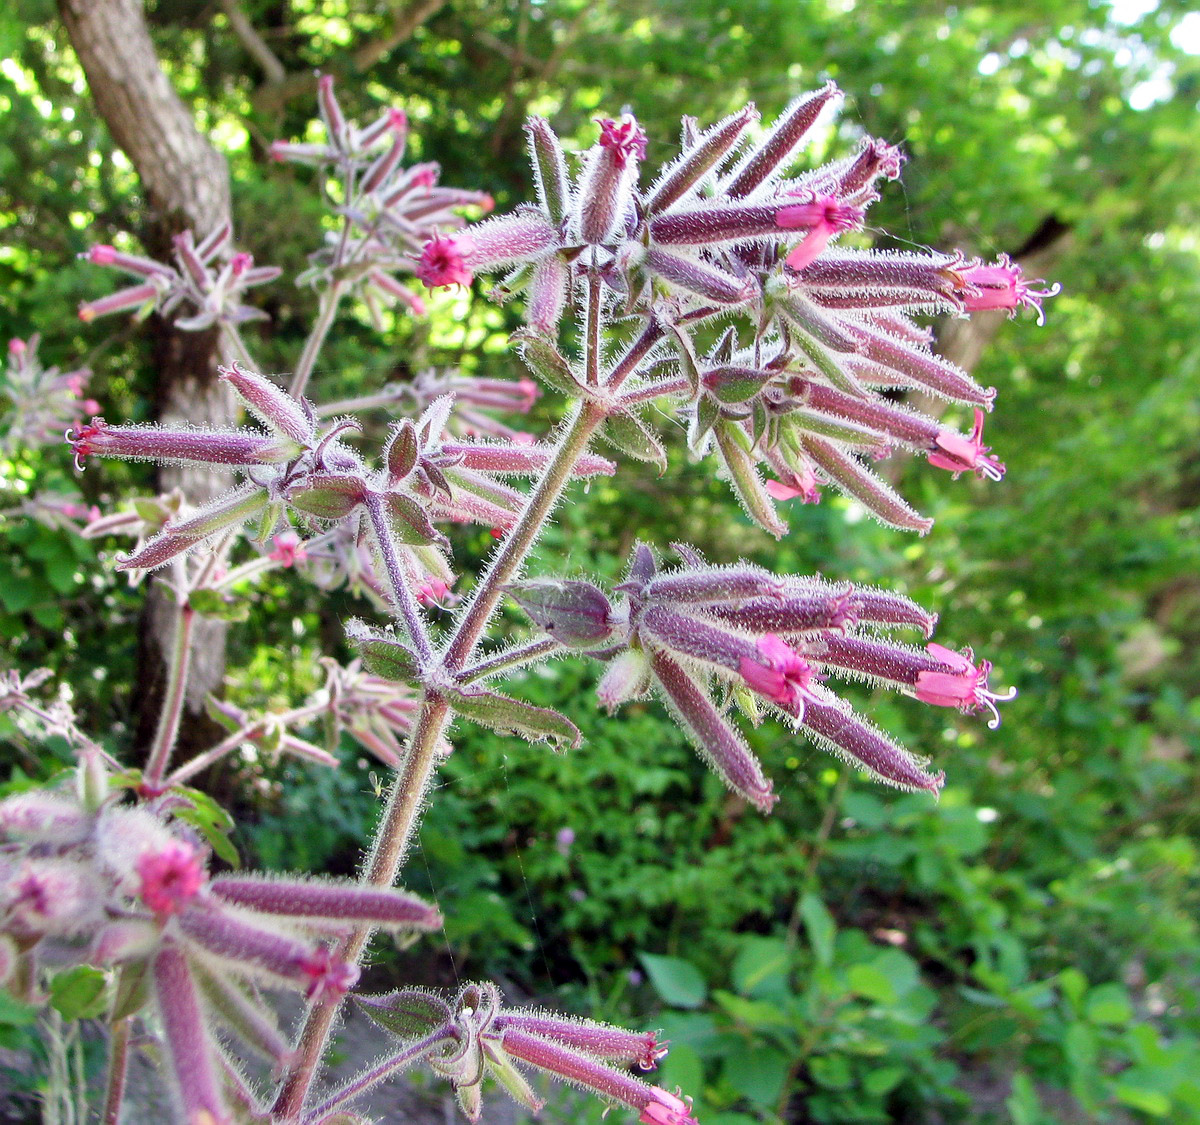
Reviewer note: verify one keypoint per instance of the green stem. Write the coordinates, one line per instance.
(234, 338)
(330, 300)
(379, 1071)
(178, 664)
(118, 1065)
(509, 658)
(507, 562)
(402, 598)
(592, 339)
(392, 839)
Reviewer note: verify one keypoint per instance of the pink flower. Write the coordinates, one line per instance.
(667, 1109)
(443, 261)
(824, 216)
(170, 878)
(961, 455)
(288, 549)
(803, 486)
(964, 686)
(433, 591)
(330, 979)
(1000, 286)
(240, 263)
(625, 138)
(783, 677)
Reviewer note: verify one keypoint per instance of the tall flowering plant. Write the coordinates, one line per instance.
(716, 290)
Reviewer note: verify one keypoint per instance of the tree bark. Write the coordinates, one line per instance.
(186, 184)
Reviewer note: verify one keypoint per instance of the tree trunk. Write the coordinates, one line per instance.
(186, 184)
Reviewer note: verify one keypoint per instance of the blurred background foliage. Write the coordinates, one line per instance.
(1027, 949)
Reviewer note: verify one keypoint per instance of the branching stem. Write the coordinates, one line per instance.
(330, 300)
(178, 664)
(401, 596)
(507, 562)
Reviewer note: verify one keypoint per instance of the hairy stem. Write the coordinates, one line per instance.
(178, 663)
(509, 658)
(401, 598)
(507, 562)
(637, 351)
(391, 842)
(379, 1072)
(330, 300)
(118, 1064)
(237, 344)
(592, 337)
(215, 753)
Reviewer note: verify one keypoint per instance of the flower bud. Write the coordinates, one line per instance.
(576, 614)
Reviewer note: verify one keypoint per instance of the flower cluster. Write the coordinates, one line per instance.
(770, 642)
(41, 402)
(475, 397)
(807, 387)
(206, 282)
(302, 467)
(723, 288)
(389, 210)
(471, 1037)
(86, 879)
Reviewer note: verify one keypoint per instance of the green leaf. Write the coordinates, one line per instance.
(761, 965)
(409, 521)
(735, 384)
(678, 982)
(328, 496)
(408, 1013)
(1153, 1102)
(511, 716)
(14, 1012)
(1073, 984)
(382, 654)
(547, 363)
(513, 1081)
(707, 413)
(1108, 1005)
(211, 821)
(633, 437)
(78, 993)
(871, 983)
(758, 1074)
(883, 1081)
(682, 1068)
(820, 927)
(755, 1014)
(831, 1071)
(1023, 1104)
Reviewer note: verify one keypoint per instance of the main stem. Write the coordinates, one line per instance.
(507, 561)
(118, 1063)
(391, 842)
(408, 791)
